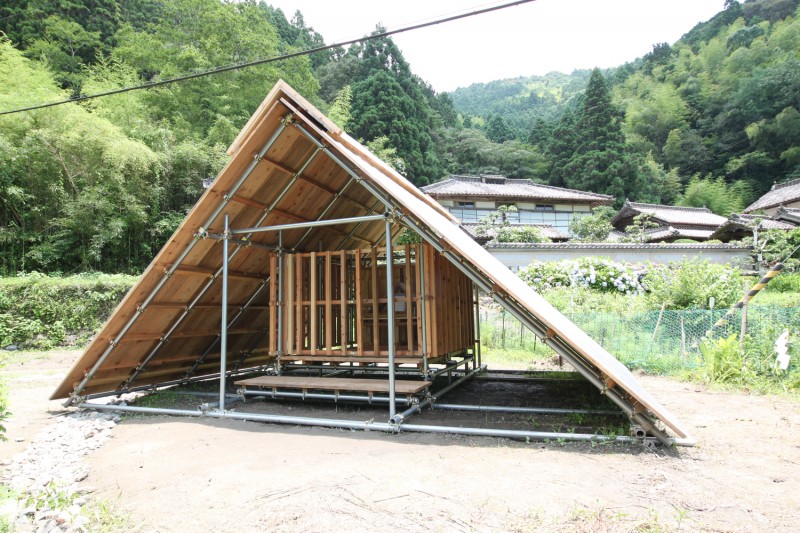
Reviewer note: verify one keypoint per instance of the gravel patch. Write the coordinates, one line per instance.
(46, 478)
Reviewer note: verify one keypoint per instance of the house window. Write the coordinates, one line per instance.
(466, 204)
(545, 208)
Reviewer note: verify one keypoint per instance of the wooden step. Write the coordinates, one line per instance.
(401, 386)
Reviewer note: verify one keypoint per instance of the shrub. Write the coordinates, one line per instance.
(692, 282)
(785, 282)
(39, 311)
(4, 413)
(594, 273)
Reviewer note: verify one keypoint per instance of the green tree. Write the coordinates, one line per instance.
(715, 194)
(388, 101)
(601, 162)
(497, 130)
(592, 228)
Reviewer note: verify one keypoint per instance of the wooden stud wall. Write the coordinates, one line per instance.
(336, 309)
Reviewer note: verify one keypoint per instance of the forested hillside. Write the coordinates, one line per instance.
(710, 120)
(101, 184)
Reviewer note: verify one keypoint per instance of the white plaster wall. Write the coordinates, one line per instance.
(515, 258)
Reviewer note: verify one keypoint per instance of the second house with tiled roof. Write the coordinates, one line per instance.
(471, 198)
(670, 222)
(786, 195)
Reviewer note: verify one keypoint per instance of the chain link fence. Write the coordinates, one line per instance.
(657, 341)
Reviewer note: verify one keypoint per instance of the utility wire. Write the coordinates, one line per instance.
(257, 62)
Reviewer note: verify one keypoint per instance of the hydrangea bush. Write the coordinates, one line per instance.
(594, 273)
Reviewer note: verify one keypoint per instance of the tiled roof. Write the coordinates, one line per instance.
(789, 214)
(615, 246)
(670, 215)
(502, 187)
(549, 231)
(779, 194)
(743, 223)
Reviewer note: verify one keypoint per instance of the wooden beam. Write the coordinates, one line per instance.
(299, 324)
(343, 300)
(328, 302)
(183, 305)
(409, 321)
(359, 311)
(273, 303)
(132, 337)
(313, 311)
(375, 325)
(209, 273)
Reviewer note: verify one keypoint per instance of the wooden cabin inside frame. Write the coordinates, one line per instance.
(253, 281)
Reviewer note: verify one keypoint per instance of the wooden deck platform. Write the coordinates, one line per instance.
(401, 386)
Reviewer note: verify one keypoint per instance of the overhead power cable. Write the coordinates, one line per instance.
(264, 61)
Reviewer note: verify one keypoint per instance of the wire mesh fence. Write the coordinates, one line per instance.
(659, 341)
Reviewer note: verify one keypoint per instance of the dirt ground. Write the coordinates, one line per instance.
(173, 474)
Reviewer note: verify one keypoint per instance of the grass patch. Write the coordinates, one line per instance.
(165, 398)
(107, 517)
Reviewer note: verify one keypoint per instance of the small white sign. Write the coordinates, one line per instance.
(781, 348)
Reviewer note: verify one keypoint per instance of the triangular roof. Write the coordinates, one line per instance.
(789, 214)
(780, 194)
(492, 186)
(290, 162)
(670, 215)
(741, 225)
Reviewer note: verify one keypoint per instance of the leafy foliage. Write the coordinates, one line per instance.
(592, 228)
(593, 273)
(691, 283)
(782, 246)
(497, 226)
(39, 311)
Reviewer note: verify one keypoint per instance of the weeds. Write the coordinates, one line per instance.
(106, 517)
(165, 398)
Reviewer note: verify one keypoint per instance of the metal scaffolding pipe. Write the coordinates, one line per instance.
(400, 417)
(478, 324)
(520, 313)
(311, 224)
(279, 340)
(376, 426)
(423, 341)
(390, 314)
(519, 434)
(531, 410)
(223, 342)
(256, 159)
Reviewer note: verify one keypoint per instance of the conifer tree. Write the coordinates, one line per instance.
(602, 163)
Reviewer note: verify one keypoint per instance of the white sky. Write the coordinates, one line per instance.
(525, 40)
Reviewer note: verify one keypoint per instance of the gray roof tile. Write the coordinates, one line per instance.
(502, 187)
(697, 217)
(780, 194)
(549, 231)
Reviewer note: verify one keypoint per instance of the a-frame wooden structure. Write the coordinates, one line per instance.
(293, 250)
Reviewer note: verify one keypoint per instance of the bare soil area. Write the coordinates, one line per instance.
(174, 474)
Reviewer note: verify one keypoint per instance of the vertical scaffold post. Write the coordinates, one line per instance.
(390, 312)
(423, 342)
(478, 326)
(223, 340)
(280, 301)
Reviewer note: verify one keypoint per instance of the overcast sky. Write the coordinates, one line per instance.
(531, 39)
